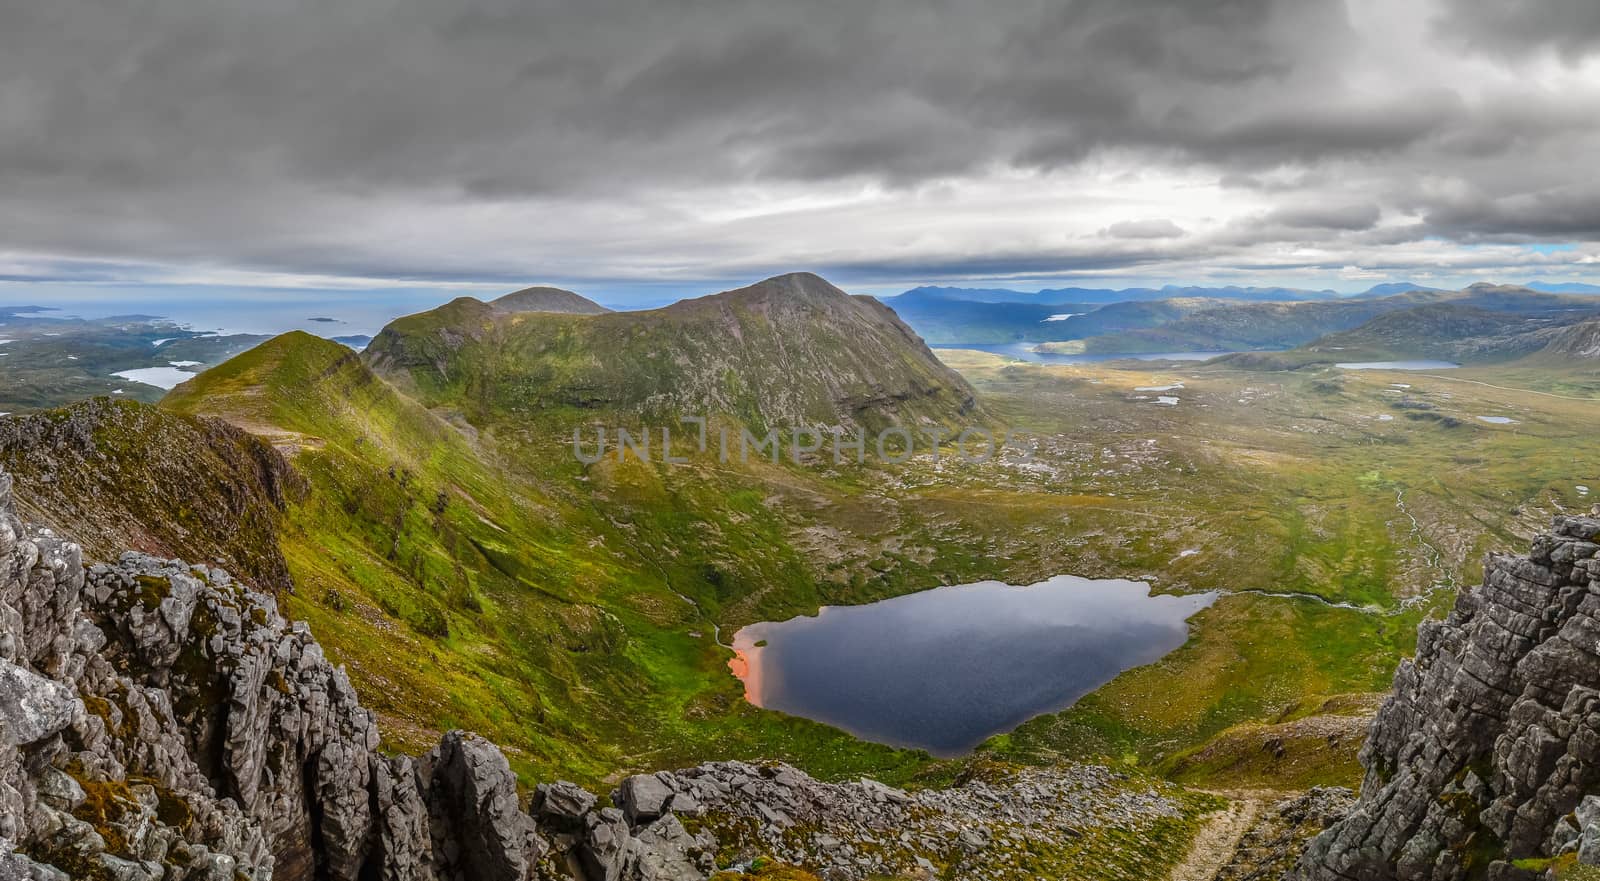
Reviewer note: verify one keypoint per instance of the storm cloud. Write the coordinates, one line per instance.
(692, 141)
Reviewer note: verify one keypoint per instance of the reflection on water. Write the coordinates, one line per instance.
(945, 669)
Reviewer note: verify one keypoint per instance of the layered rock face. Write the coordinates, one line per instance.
(1483, 761)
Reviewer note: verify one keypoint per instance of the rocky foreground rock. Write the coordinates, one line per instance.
(162, 721)
(1485, 762)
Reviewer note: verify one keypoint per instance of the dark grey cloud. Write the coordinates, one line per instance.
(1570, 28)
(1557, 215)
(1355, 216)
(1157, 228)
(491, 139)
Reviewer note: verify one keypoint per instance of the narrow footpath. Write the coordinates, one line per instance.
(1217, 840)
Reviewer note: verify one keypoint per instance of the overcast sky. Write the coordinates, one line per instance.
(668, 146)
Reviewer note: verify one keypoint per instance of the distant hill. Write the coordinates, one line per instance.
(1389, 289)
(1565, 287)
(1444, 331)
(545, 299)
(1266, 317)
(990, 316)
(1246, 326)
(945, 321)
(1287, 325)
(1058, 296)
(791, 350)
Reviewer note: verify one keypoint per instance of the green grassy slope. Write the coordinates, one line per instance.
(462, 592)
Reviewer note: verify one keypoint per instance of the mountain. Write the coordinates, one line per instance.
(1247, 326)
(789, 351)
(1443, 331)
(1389, 289)
(545, 299)
(1565, 287)
(947, 321)
(963, 322)
(1231, 292)
(1482, 763)
(970, 295)
(414, 540)
(1194, 318)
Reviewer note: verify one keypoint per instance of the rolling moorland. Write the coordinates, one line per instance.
(431, 511)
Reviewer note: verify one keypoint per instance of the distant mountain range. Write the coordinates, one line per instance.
(1177, 318)
(1109, 295)
(1246, 326)
(1565, 287)
(1485, 324)
(1055, 296)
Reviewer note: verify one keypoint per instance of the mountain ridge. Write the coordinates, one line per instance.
(792, 350)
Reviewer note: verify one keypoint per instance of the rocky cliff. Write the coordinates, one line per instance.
(119, 475)
(1486, 760)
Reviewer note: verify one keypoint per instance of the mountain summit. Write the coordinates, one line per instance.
(788, 351)
(545, 299)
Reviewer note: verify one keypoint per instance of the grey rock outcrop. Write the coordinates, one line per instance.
(479, 831)
(1482, 760)
(159, 720)
(644, 797)
(562, 805)
(848, 831)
